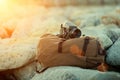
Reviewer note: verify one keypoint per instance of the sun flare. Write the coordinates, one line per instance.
(2, 2)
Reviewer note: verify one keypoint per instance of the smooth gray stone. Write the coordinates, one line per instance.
(113, 34)
(113, 54)
(26, 72)
(75, 73)
(99, 33)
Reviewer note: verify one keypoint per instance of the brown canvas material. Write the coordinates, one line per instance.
(48, 55)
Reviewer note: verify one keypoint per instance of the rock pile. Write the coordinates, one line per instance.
(17, 53)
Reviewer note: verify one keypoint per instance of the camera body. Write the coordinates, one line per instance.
(69, 31)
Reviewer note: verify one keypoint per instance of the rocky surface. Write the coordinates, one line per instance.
(15, 53)
(20, 34)
(113, 53)
(75, 73)
(25, 72)
(71, 2)
(98, 33)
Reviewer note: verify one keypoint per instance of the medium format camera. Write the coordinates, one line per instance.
(69, 31)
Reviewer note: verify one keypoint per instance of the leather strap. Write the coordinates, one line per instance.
(60, 45)
(86, 41)
(42, 70)
(101, 51)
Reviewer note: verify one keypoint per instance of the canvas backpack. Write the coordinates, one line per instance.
(54, 51)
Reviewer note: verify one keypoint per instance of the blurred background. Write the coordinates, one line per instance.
(22, 22)
(62, 2)
(68, 2)
(26, 14)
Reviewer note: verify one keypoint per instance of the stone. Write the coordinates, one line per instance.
(96, 2)
(113, 54)
(99, 33)
(113, 33)
(89, 18)
(75, 73)
(19, 50)
(25, 72)
(90, 21)
(108, 2)
(72, 2)
(15, 52)
(51, 26)
(107, 76)
(112, 18)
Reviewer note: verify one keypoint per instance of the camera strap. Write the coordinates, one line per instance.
(86, 42)
(60, 45)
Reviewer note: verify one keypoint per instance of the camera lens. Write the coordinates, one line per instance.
(75, 33)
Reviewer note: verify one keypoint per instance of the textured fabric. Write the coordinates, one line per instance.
(49, 56)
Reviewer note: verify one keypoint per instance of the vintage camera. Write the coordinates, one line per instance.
(69, 31)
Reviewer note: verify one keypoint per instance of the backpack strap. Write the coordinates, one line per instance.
(60, 45)
(101, 51)
(42, 70)
(86, 42)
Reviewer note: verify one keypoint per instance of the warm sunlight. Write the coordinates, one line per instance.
(3, 5)
(6, 3)
(2, 2)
